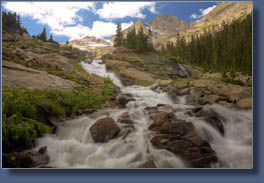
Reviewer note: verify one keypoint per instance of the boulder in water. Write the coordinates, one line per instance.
(194, 150)
(161, 117)
(124, 118)
(104, 129)
(180, 137)
(211, 118)
(123, 98)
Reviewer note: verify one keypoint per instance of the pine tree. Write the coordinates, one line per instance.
(43, 35)
(119, 36)
(51, 38)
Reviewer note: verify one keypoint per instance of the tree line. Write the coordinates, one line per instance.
(138, 42)
(225, 50)
(11, 23)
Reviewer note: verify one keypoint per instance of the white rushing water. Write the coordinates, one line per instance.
(72, 146)
(98, 68)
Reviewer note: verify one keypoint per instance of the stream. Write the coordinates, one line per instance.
(73, 147)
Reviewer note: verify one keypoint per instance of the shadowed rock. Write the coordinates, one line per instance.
(32, 159)
(148, 164)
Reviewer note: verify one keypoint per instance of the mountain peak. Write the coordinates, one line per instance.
(168, 24)
(140, 22)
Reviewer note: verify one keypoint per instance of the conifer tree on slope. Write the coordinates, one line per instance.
(119, 36)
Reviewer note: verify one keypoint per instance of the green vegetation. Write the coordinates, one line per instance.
(20, 110)
(227, 50)
(20, 132)
(138, 42)
(119, 36)
(144, 83)
(43, 35)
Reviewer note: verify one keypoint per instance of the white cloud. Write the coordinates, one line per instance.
(73, 32)
(62, 17)
(56, 15)
(202, 12)
(113, 10)
(99, 29)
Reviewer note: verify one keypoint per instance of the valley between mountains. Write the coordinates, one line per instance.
(91, 103)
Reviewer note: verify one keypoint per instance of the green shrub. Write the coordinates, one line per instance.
(20, 132)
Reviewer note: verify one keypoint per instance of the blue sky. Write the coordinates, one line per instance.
(74, 20)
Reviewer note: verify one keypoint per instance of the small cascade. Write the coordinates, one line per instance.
(97, 67)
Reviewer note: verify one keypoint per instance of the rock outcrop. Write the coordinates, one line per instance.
(20, 76)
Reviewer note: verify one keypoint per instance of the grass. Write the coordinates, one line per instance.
(143, 83)
(20, 111)
(220, 79)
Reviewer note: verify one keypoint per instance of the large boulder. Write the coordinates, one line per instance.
(180, 137)
(104, 129)
(195, 151)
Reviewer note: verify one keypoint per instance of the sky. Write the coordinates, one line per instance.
(75, 20)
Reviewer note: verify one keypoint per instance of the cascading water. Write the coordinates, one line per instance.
(97, 67)
(72, 146)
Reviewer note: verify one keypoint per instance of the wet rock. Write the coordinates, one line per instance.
(180, 137)
(150, 110)
(42, 149)
(180, 128)
(161, 105)
(148, 164)
(104, 129)
(55, 121)
(184, 141)
(161, 117)
(226, 104)
(32, 159)
(124, 118)
(124, 133)
(211, 118)
(129, 126)
(85, 111)
(196, 109)
(123, 98)
(161, 140)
